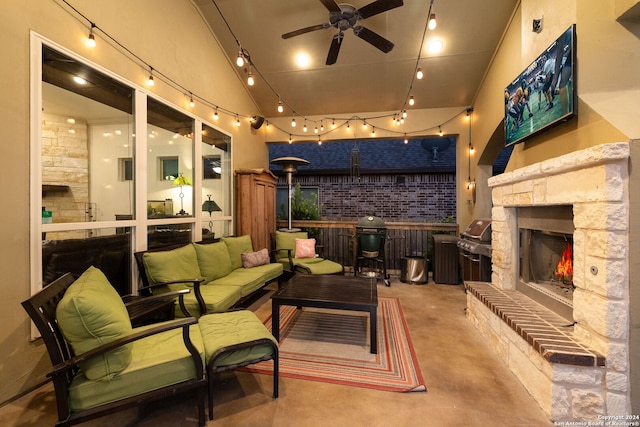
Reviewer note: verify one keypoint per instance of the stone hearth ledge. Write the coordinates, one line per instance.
(549, 334)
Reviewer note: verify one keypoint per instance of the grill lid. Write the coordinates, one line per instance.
(370, 221)
(479, 229)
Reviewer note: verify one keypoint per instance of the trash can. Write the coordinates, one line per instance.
(445, 259)
(413, 270)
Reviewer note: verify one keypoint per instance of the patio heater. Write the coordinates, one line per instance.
(289, 166)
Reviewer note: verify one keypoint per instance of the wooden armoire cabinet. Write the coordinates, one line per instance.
(256, 205)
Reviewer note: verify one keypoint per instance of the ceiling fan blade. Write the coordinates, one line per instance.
(377, 7)
(331, 5)
(373, 38)
(305, 30)
(334, 50)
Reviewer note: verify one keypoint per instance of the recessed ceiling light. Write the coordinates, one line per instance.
(435, 46)
(303, 60)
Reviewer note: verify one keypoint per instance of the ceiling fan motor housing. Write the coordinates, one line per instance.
(346, 18)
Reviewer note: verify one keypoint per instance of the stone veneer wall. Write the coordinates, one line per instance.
(65, 161)
(594, 181)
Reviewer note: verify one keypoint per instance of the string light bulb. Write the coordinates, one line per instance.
(91, 39)
(304, 127)
(440, 130)
(250, 80)
(319, 141)
(333, 123)
(191, 103)
(150, 81)
(406, 141)
(404, 115)
(419, 74)
(373, 131)
(280, 107)
(411, 100)
(293, 122)
(240, 59)
(215, 114)
(471, 149)
(290, 140)
(237, 121)
(432, 22)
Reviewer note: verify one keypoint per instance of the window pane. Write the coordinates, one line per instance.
(216, 183)
(170, 160)
(86, 129)
(74, 251)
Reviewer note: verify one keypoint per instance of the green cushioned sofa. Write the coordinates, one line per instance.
(215, 272)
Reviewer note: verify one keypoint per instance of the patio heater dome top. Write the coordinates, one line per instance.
(289, 164)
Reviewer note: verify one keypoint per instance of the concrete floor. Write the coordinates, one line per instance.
(467, 384)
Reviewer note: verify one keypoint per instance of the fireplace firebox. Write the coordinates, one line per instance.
(546, 256)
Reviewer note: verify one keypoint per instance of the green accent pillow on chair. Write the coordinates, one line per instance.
(91, 314)
(236, 247)
(214, 260)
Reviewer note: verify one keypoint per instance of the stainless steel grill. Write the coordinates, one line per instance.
(474, 248)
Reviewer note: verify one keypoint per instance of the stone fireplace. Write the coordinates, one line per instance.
(574, 363)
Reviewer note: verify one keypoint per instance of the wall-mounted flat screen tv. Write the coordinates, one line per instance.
(544, 94)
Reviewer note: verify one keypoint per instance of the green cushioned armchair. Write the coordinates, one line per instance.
(100, 362)
(284, 250)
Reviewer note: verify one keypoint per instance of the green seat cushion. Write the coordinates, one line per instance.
(249, 279)
(175, 264)
(216, 298)
(285, 240)
(213, 260)
(234, 327)
(90, 314)
(317, 266)
(157, 361)
(236, 247)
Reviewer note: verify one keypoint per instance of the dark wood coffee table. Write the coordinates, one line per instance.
(328, 291)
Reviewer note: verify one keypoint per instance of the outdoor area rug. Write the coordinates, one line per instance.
(333, 346)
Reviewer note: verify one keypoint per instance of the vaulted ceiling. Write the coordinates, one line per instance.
(363, 78)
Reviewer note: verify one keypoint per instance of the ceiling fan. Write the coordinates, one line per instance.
(344, 16)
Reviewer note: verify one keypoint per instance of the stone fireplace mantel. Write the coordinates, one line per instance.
(595, 182)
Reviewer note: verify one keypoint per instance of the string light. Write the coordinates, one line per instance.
(191, 103)
(411, 100)
(215, 114)
(280, 107)
(373, 131)
(432, 22)
(150, 81)
(290, 140)
(91, 39)
(293, 122)
(237, 121)
(321, 125)
(315, 130)
(319, 141)
(406, 141)
(250, 79)
(240, 58)
(440, 130)
(419, 74)
(304, 128)
(333, 123)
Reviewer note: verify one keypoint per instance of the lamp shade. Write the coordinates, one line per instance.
(181, 180)
(210, 206)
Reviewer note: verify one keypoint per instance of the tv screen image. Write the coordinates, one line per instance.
(544, 94)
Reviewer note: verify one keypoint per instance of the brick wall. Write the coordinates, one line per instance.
(412, 197)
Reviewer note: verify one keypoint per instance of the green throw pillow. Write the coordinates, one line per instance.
(236, 247)
(286, 240)
(90, 314)
(213, 260)
(167, 266)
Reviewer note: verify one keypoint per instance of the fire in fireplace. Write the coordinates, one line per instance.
(546, 257)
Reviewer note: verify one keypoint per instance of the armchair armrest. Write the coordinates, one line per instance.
(196, 291)
(61, 368)
(131, 302)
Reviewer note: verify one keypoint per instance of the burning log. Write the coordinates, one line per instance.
(564, 269)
